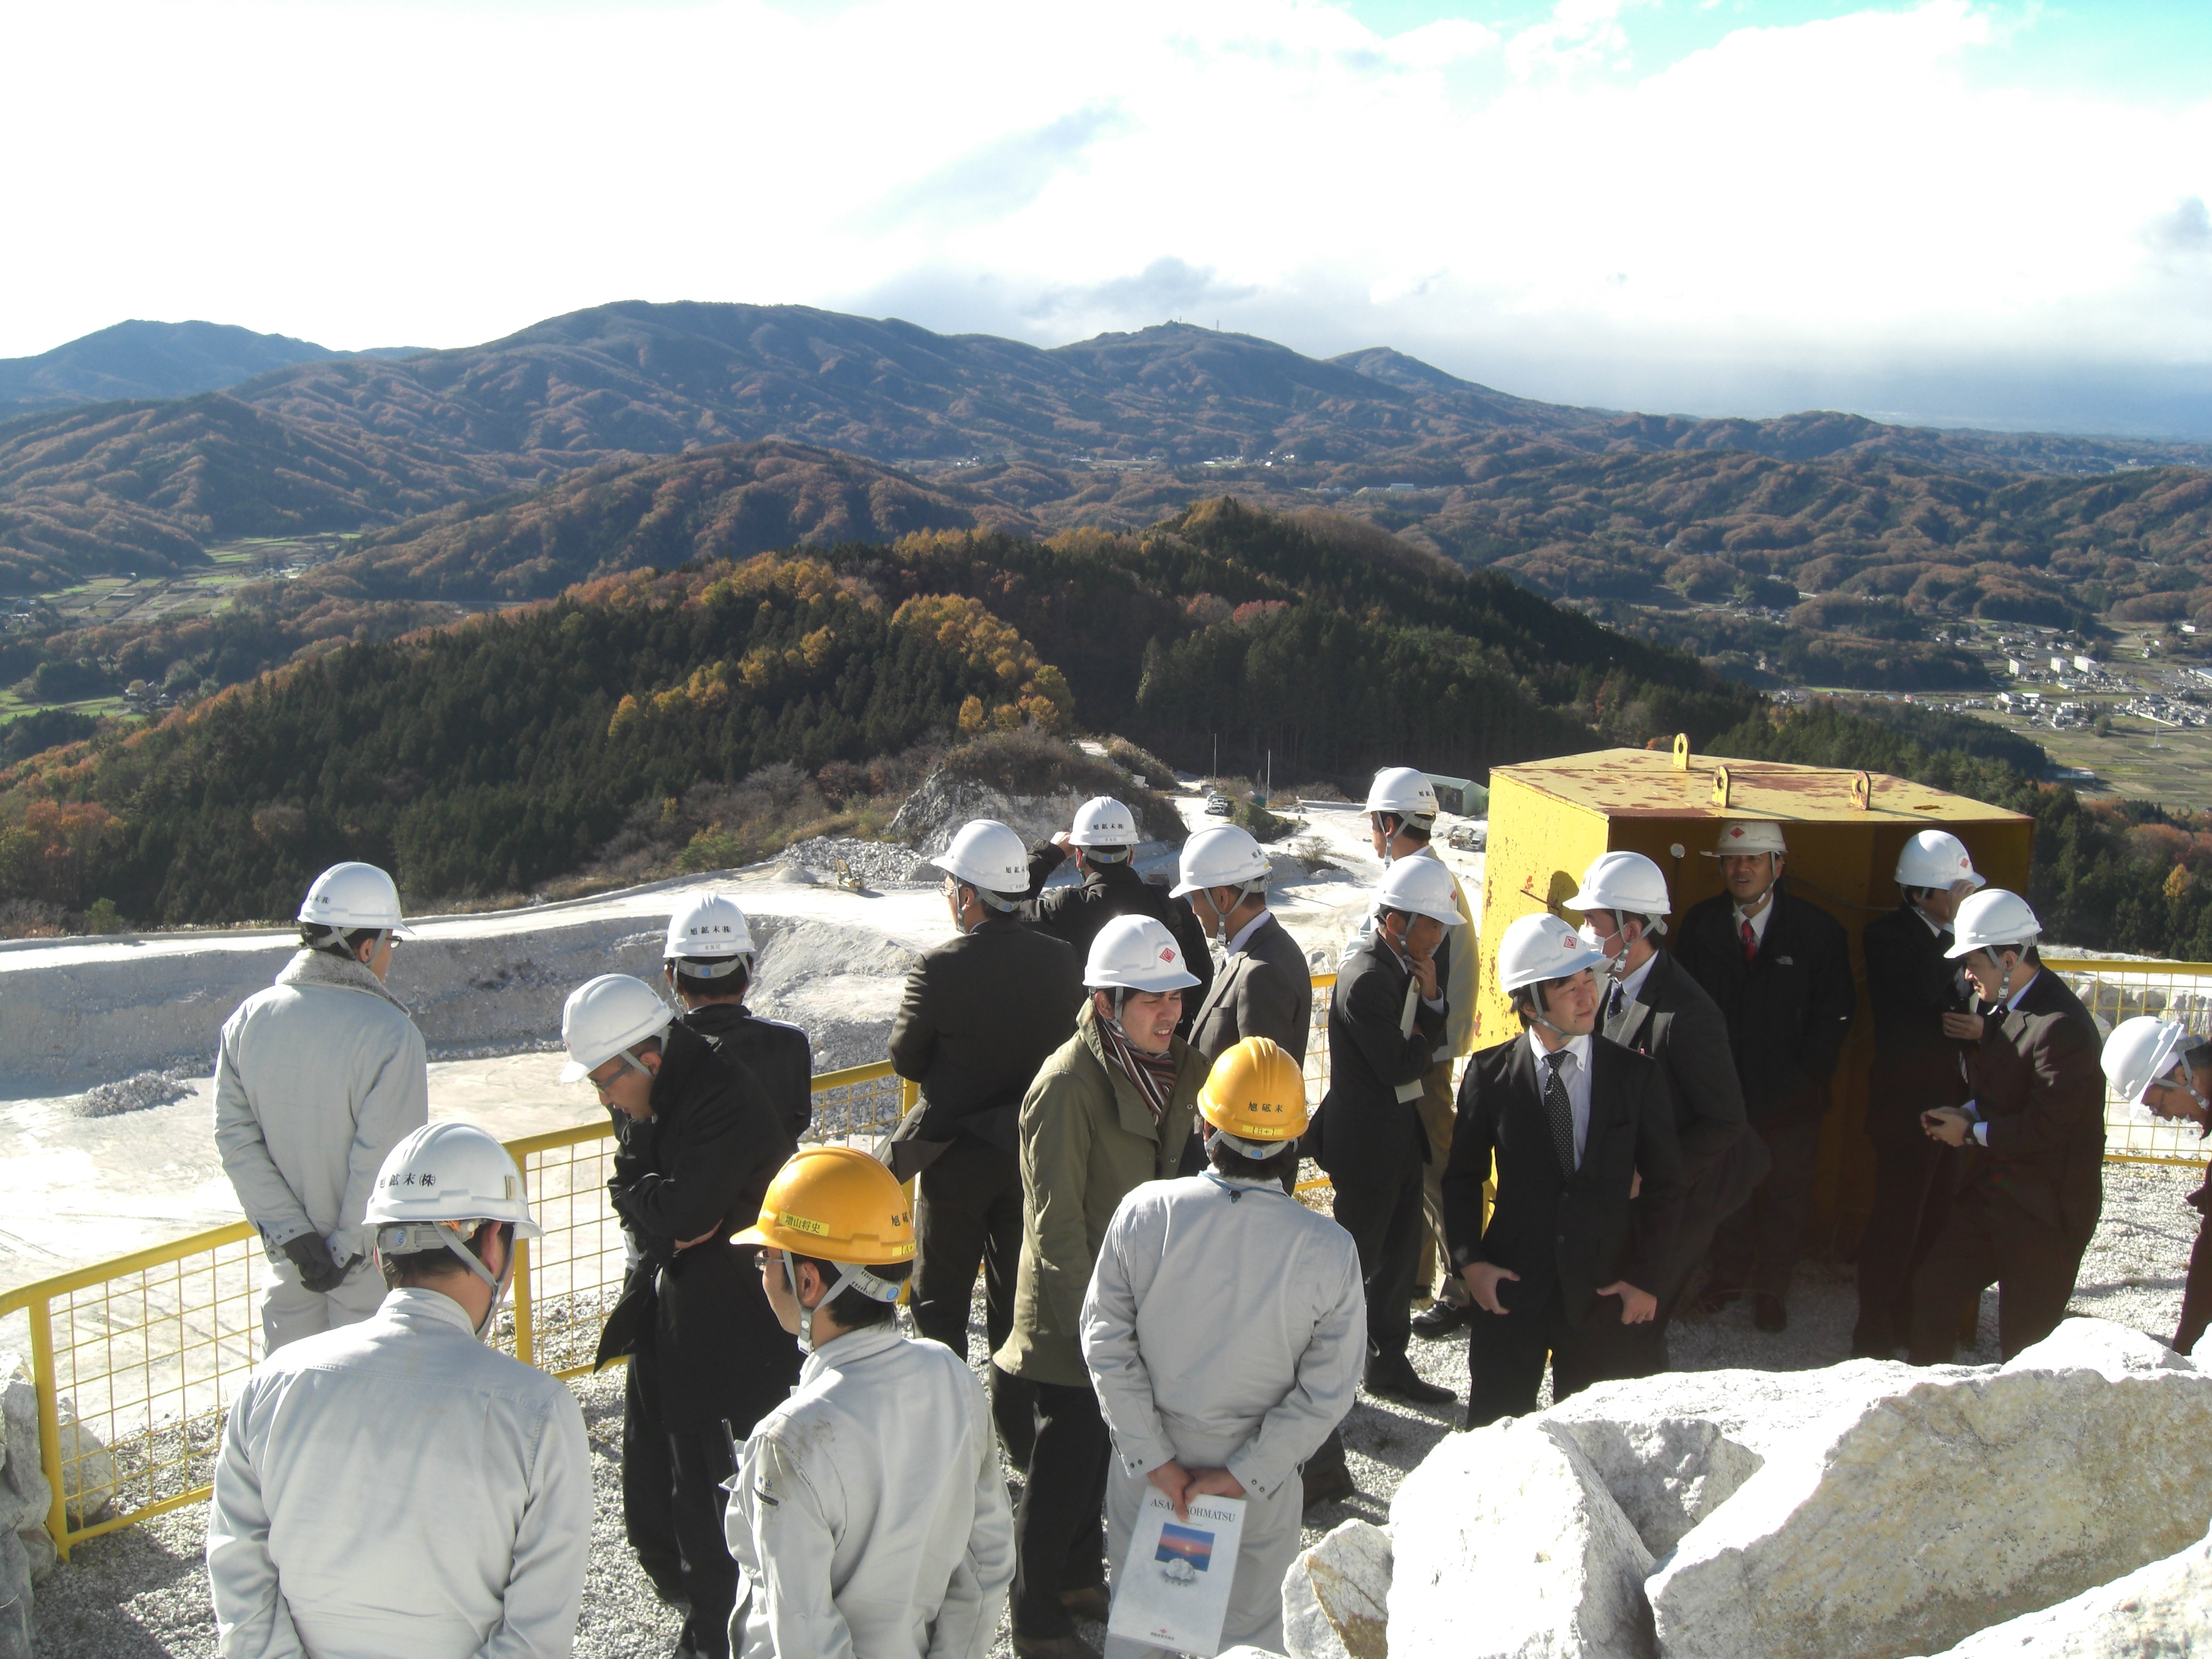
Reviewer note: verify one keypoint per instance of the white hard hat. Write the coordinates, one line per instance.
(1749, 836)
(449, 1172)
(1622, 881)
(1542, 947)
(605, 1015)
(1224, 856)
(1102, 821)
(1136, 953)
(710, 926)
(350, 897)
(987, 854)
(1991, 919)
(2139, 1052)
(1402, 790)
(1935, 858)
(1422, 886)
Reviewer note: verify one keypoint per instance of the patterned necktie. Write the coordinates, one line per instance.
(1561, 1111)
(1750, 941)
(1613, 1006)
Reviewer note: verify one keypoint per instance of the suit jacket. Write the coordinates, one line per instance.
(1565, 1235)
(1263, 990)
(778, 1055)
(979, 1015)
(2039, 1086)
(1911, 985)
(2197, 1289)
(1076, 914)
(1364, 1131)
(1674, 1021)
(1788, 1009)
(697, 1316)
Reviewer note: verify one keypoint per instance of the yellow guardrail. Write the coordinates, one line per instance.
(136, 1359)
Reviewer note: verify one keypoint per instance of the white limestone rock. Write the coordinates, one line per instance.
(1506, 1545)
(1248, 1652)
(14, 1598)
(1965, 1500)
(1336, 1596)
(1673, 1449)
(25, 1495)
(2162, 1611)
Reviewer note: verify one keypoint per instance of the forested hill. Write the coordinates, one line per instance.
(489, 757)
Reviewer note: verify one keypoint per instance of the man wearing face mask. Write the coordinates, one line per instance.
(699, 1144)
(1386, 1021)
(980, 1014)
(2034, 1134)
(395, 1485)
(1926, 1034)
(1571, 1122)
(2151, 1062)
(1780, 968)
(1648, 1003)
(1109, 1111)
(868, 1517)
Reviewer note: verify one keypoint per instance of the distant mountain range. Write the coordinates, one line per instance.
(153, 360)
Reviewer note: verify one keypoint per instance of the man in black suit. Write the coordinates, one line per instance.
(980, 1014)
(1780, 968)
(707, 959)
(2034, 1135)
(1263, 986)
(1102, 843)
(2152, 1063)
(1925, 1035)
(697, 1145)
(1384, 1023)
(1575, 1123)
(1650, 1005)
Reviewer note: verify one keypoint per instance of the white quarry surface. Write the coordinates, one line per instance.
(1336, 1596)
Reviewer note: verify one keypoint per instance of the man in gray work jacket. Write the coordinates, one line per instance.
(316, 1080)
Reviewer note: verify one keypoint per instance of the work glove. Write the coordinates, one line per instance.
(318, 1272)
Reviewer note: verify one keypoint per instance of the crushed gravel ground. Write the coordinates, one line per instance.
(142, 1593)
(878, 863)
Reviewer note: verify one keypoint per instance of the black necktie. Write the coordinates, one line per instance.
(1561, 1111)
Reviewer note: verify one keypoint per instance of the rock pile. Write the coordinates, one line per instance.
(2057, 1505)
(27, 1554)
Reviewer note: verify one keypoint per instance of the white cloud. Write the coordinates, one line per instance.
(366, 173)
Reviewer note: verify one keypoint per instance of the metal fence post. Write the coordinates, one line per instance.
(525, 1342)
(50, 1420)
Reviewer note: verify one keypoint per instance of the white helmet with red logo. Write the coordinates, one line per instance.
(1136, 953)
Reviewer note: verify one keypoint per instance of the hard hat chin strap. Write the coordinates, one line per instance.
(1257, 1151)
(849, 1273)
(415, 1236)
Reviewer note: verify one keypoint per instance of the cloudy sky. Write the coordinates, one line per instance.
(1990, 211)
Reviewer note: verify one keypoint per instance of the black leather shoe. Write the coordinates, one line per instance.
(1710, 1301)
(1399, 1381)
(1070, 1646)
(1769, 1313)
(1442, 1319)
(1087, 1601)
(1326, 1487)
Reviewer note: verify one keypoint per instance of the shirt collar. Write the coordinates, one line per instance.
(1243, 935)
(418, 1301)
(1927, 920)
(1633, 981)
(1579, 1046)
(848, 1346)
(2012, 1002)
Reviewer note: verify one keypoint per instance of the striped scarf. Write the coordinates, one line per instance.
(1153, 1074)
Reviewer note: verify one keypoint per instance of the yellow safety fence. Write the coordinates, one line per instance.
(136, 1360)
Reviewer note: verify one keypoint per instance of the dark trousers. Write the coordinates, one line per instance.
(672, 1506)
(1060, 1536)
(967, 1214)
(1989, 1240)
(1912, 1184)
(1385, 1221)
(1756, 1247)
(1505, 1355)
(2196, 1293)
(1641, 1349)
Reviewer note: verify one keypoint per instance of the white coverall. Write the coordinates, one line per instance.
(396, 1487)
(316, 1080)
(1224, 1328)
(868, 1515)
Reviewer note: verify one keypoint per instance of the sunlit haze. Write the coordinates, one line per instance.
(1949, 210)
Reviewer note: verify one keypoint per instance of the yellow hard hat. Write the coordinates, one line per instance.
(836, 1204)
(1255, 1091)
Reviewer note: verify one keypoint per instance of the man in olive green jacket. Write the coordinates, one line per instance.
(1111, 1109)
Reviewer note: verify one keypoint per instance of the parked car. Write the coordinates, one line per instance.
(1217, 805)
(1471, 837)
